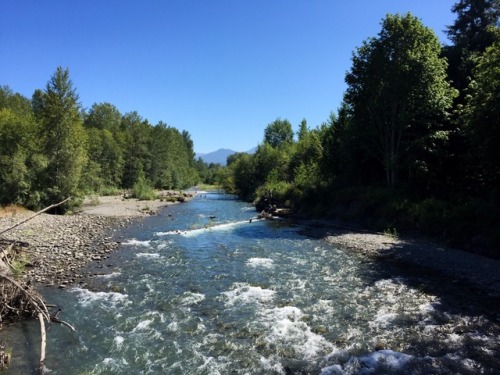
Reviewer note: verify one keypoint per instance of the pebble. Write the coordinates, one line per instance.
(59, 246)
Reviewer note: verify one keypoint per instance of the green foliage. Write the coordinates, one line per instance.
(397, 86)
(278, 133)
(104, 116)
(391, 232)
(470, 31)
(482, 115)
(208, 173)
(397, 154)
(110, 190)
(63, 139)
(18, 266)
(21, 161)
(244, 176)
(50, 149)
(142, 190)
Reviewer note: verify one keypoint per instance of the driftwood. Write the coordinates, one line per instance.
(43, 335)
(21, 299)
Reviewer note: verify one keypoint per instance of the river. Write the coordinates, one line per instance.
(203, 289)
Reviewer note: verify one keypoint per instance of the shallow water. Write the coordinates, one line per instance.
(199, 289)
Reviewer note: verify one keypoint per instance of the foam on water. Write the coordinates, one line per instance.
(189, 298)
(207, 229)
(144, 324)
(162, 245)
(118, 341)
(147, 255)
(260, 262)
(87, 297)
(135, 242)
(387, 358)
(287, 327)
(109, 275)
(383, 318)
(243, 293)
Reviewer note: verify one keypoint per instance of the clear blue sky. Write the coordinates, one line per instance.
(220, 69)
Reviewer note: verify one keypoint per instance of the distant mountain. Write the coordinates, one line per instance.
(219, 156)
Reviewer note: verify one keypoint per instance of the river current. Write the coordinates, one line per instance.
(205, 288)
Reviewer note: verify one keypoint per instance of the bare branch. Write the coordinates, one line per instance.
(38, 213)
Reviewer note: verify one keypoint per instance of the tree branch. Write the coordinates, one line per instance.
(31, 217)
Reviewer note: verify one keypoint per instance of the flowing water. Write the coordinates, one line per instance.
(201, 289)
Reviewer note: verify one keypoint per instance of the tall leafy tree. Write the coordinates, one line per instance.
(15, 102)
(20, 159)
(397, 84)
(278, 133)
(137, 153)
(104, 116)
(244, 168)
(62, 135)
(160, 172)
(106, 146)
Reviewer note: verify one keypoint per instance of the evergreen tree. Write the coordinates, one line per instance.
(63, 138)
(482, 114)
(471, 34)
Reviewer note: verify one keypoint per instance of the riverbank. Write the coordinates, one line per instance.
(57, 247)
(455, 265)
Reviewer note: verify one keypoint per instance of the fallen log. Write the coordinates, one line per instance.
(43, 336)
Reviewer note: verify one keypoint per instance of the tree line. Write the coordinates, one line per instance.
(415, 144)
(51, 148)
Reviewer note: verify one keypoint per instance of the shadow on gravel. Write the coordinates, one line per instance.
(465, 323)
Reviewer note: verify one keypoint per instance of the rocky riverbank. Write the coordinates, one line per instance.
(57, 247)
(456, 266)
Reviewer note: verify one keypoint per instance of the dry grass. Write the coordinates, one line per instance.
(11, 210)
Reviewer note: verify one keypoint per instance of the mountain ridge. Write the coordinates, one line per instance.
(219, 156)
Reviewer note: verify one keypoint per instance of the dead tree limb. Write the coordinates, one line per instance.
(43, 336)
(35, 301)
(36, 214)
(55, 318)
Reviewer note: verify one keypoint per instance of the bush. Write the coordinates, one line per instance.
(143, 191)
(109, 190)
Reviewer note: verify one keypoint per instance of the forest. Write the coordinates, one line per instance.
(413, 148)
(53, 149)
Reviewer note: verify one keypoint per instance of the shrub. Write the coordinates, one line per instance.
(109, 190)
(143, 191)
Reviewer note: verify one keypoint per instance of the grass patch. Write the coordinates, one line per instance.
(11, 210)
(18, 266)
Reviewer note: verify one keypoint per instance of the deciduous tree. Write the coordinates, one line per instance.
(396, 82)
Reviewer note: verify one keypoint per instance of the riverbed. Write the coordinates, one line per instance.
(206, 288)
